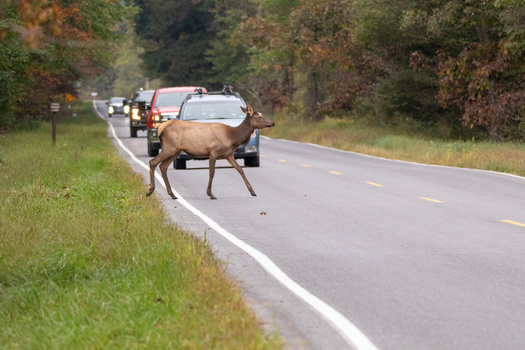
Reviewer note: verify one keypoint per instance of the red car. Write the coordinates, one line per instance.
(165, 105)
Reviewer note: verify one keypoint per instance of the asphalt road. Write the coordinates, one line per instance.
(376, 253)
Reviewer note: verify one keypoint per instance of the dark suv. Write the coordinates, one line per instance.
(223, 107)
(137, 118)
(116, 106)
(164, 104)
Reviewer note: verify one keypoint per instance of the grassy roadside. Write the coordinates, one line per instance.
(403, 143)
(87, 261)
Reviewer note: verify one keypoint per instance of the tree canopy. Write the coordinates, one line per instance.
(427, 60)
(430, 61)
(46, 46)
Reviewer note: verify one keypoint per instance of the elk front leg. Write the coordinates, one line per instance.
(231, 160)
(212, 173)
(164, 171)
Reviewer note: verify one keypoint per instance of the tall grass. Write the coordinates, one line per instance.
(403, 142)
(87, 261)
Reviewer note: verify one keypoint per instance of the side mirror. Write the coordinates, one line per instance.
(148, 108)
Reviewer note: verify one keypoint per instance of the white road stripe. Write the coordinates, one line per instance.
(354, 337)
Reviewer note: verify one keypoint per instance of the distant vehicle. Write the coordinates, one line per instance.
(116, 106)
(127, 108)
(164, 104)
(139, 102)
(223, 107)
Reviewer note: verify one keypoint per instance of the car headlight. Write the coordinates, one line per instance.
(250, 149)
(111, 110)
(126, 109)
(156, 118)
(135, 114)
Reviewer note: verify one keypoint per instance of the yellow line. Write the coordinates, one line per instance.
(306, 165)
(374, 184)
(431, 200)
(514, 223)
(335, 172)
(281, 160)
(263, 155)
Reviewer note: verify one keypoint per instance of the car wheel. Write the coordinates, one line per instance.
(252, 161)
(152, 152)
(179, 163)
(110, 115)
(133, 132)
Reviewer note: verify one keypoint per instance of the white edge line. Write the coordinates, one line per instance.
(346, 329)
(397, 160)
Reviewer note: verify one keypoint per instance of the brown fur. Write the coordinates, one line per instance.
(212, 140)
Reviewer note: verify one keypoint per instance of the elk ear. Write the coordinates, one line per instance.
(249, 108)
(244, 110)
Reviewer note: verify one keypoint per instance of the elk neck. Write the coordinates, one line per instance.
(241, 133)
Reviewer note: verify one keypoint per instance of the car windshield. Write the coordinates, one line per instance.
(170, 98)
(213, 110)
(144, 96)
(117, 101)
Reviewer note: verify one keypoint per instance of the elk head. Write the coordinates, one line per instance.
(257, 119)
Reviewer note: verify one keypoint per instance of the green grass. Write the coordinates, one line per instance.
(87, 261)
(403, 142)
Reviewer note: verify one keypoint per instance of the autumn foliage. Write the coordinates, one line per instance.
(459, 62)
(47, 46)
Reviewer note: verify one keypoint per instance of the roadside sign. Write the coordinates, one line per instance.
(68, 97)
(55, 107)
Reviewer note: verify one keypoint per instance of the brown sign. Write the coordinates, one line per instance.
(55, 106)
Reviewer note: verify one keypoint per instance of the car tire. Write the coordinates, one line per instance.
(133, 131)
(179, 163)
(252, 161)
(110, 115)
(152, 152)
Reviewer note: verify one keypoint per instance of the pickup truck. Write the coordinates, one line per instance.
(140, 101)
(165, 105)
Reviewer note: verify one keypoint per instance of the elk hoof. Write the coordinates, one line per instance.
(173, 196)
(149, 192)
(253, 193)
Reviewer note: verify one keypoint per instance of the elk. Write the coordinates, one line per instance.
(212, 140)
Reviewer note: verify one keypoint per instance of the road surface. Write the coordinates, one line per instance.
(375, 253)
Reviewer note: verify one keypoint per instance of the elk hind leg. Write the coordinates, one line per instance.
(231, 160)
(153, 163)
(164, 171)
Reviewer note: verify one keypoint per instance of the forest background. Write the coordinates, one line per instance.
(458, 65)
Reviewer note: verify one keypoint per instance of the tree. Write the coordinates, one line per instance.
(62, 42)
(482, 72)
(176, 36)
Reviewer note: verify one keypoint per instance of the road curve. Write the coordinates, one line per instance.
(412, 256)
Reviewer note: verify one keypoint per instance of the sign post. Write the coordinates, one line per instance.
(55, 107)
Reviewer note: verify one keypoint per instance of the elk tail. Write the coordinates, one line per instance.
(161, 129)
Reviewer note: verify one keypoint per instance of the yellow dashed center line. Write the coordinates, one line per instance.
(514, 223)
(374, 184)
(431, 200)
(335, 172)
(281, 160)
(263, 155)
(306, 165)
